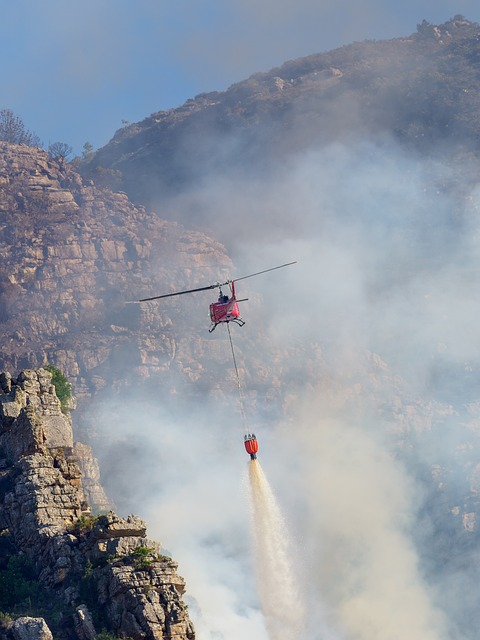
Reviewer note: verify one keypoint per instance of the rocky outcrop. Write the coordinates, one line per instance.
(67, 274)
(72, 255)
(103, 567)
(89, 467)
(26, 628)
(32, 390)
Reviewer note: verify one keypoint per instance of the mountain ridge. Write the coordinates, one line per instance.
(410, 88)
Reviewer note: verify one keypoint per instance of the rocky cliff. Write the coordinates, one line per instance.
(72, 255)
(91, 573)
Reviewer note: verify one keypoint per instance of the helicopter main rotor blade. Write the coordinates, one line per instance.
(214, 286)
(180, 293)
(287, 264)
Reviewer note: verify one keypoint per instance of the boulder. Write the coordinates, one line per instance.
(84, 626)
(26, 628)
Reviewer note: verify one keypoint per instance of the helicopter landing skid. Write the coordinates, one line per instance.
(238, 321)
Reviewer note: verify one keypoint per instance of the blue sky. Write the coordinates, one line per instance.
(73, 71)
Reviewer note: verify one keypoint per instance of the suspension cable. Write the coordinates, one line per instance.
(239, 386)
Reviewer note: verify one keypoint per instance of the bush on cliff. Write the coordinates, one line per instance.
(63, 388)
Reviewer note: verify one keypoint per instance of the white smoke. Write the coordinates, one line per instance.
(381, 288)
(184, 476)
(363, 565)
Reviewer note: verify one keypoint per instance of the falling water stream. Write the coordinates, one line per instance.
(277, 589)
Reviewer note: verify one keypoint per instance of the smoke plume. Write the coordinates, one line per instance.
(363, 564)
(351, 398)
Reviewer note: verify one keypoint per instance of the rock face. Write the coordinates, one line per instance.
(92, 487)
(72, 255)
(34, 390)
(101, 566)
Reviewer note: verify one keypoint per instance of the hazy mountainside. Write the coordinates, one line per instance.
(72, 255)
(359, 365)
(75, 255)
(363, 164)
(421, 90)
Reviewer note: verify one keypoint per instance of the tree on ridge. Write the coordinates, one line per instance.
(14, 131)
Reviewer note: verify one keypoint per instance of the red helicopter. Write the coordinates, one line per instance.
(226, 308)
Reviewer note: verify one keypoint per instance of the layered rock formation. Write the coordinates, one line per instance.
(72, 255)
(98, 571)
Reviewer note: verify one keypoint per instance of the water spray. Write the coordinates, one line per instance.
(277, 587)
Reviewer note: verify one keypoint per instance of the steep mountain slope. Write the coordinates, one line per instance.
(365, 162)
(72, 255)
(360, 367)
(420, 89)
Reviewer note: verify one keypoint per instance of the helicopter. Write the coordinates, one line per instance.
(225, 309)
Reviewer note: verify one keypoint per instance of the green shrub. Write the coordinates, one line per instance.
(83, 524)
(143, 557)
(106, 635)
(5, 619)
(63, 388)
